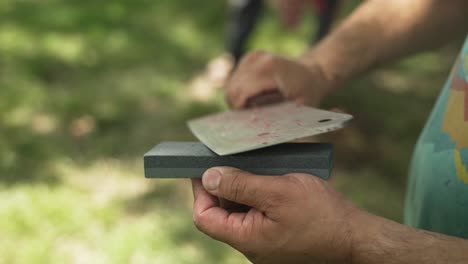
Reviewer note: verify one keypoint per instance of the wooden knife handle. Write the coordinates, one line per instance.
(270, 97)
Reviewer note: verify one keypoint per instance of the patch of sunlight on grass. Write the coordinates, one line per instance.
(19, 116)
(142, 240)
(15, 39)
(152, 240)
(105, 180)
(35, 217)
(276, 38)
(71, 48)
(117, 41)
(73, 223)
(9, 155)
(392, 80)
(67, 47)
(6, 5)
(141, 81)
(160, 232)
(186, 35)
(428, 62)
(24, 99)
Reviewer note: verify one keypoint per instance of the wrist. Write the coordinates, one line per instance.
(365, 236)
(375, 239)
(316, 60)
(317, 64)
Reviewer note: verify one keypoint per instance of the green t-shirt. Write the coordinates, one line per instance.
(437, 196)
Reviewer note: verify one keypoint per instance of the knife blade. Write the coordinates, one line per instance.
(238, 131)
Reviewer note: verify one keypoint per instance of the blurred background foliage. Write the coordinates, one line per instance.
(86, 87)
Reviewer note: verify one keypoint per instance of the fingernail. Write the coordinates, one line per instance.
(211, 179)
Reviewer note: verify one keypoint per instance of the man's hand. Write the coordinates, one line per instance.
(299, 218)
(296, 218)
(261, 73)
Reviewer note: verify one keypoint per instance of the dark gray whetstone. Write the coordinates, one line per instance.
(192, 159)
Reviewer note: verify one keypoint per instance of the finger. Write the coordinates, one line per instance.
(230, 90)
(265, 98)
(284, 76)
(293, 80)
(201, 196)
(256, 92)
(205, 206)
(232, 98)
(243, 187)
(232, 207)
(213, 220)
(193, 182)
(223, 226)
(253, 77)
(197, 187)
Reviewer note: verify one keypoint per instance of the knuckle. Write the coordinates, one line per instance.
(301, 99)
(241, 101)
(231, 82)
(269, 57)
(247, 58)
(300, 182)
(238, 185)
(230, 93)
(233, 100)
(276, 196)
(229, 100)
(197, 221)
(268, 63)
(274, 199)
(297, 177)
(256, 54)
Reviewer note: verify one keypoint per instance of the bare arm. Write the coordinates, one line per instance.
(383, 241)
(380, 31)
(377, 32)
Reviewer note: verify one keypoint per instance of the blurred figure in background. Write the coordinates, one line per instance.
(243, 16)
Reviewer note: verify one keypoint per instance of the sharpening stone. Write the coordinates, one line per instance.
(192, 159)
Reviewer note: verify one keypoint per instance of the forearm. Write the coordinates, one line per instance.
(379, 31)
(384, 241)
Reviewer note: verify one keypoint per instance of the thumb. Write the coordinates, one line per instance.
(242, 187)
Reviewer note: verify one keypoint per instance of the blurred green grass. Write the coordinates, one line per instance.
(86, 87)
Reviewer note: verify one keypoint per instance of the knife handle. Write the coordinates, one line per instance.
(266, 98)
